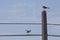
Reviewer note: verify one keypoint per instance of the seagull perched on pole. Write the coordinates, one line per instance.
(45, 7)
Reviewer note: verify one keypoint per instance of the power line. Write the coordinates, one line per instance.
(54, 35)
(29, 24)
(53, 24)
(23, 35)
(29, 35)
(22, 23)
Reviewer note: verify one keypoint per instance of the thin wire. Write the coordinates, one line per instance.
(54, 35)
(22, 23)
(29, 24)
(30, 35)
(53, 24)
(23, 35)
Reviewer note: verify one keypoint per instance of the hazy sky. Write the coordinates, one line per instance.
(28, 11)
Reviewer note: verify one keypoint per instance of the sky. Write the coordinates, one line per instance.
(28, 11)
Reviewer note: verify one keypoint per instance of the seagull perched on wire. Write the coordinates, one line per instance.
(28, 31)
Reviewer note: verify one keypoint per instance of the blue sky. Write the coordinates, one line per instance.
(22, 11)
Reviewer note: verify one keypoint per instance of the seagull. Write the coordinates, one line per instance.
(28, 31)
(45, 7)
